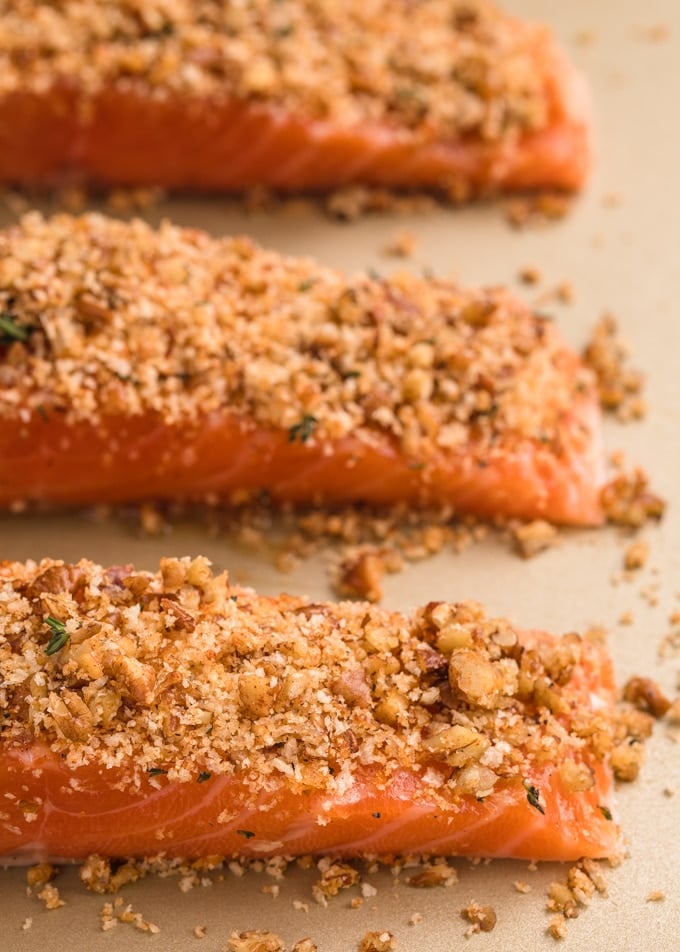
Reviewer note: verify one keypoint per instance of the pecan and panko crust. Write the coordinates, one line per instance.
(117, 319)
(181, 673)
(439, 68)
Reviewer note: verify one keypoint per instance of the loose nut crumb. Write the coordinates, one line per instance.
(620, 386)
(334, 877)
(377, 942)
(415, 919)
(627, 501)
(521, 886)
(646, 695)
(557, 927)
(636, 555)
(41, 874)
(50, 897)
(530, 275)
(481, 918)
(440, 874)
(360, 577)
(657, 895)
(255, 940)
(538, 209)
(200, 932)
(534, 537)
(403, 245)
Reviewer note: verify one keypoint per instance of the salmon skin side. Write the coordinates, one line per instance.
(175, 713)
(162, 365)
(123, 103)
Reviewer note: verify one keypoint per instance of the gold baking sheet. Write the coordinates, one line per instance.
(619, 250)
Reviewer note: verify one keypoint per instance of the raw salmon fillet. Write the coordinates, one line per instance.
(174, 713)
(162, 365)
(292, 95)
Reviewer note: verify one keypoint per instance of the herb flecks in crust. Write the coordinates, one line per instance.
(458, 697)
(434, 67)
(178, 325)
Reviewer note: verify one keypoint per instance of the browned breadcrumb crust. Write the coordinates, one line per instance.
(441, 68)
(447, 692)
(620, 385)
(121, 319)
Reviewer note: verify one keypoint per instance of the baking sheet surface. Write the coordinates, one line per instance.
(618, 248)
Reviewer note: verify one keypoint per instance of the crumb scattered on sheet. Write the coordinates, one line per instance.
(49, 896)
(378, 942)
(530, 275)
(534, 537)
(620, 386)
(439, 874)
(118, 911)
(536, 209)
(657, 895)
(255, 940)
(403, 245)
(637, 555)
(481, 918)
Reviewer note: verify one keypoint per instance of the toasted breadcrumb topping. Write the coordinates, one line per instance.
(106, 319)
(178, 675)
(443, 68)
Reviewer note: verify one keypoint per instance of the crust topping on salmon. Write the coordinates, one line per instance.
(434, 66)
(105, 320)
(144, 683)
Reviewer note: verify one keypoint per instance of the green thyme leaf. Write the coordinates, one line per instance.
(156, 771)
(606, 813)
(10, 330)
(303, 430)
(534, 797)
(204, 775)
(59, 635)
(248, 834)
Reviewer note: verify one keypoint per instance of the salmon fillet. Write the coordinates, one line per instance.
(139, 364)
(291, 96)
(174, 713)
